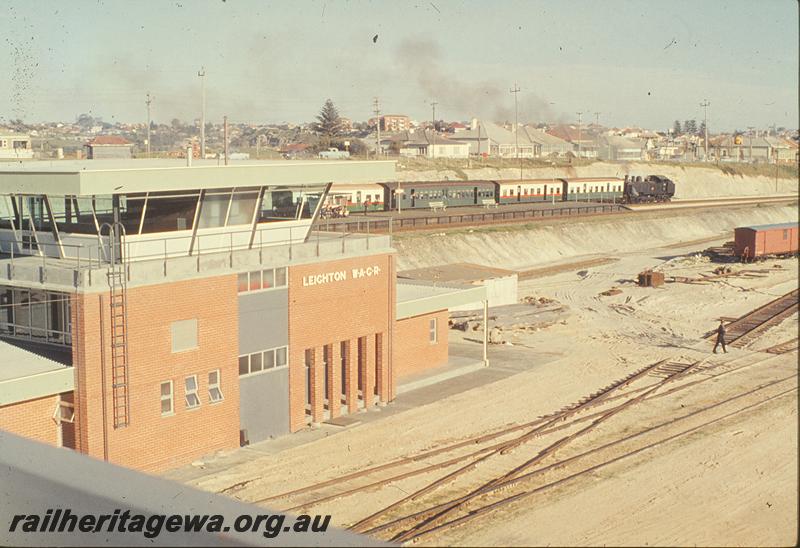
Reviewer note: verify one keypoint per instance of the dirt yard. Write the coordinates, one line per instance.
(731, 483)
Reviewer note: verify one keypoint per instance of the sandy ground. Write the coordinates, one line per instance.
(733, 484)
(523, 247)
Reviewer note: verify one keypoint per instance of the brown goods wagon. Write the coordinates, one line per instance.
(763, 240)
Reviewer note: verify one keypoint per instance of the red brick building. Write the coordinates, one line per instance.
(156, 314)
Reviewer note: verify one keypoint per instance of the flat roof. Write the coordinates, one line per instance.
(419, 297)
(125, 176)
(777, 226)
(465, 273)
(26, 375)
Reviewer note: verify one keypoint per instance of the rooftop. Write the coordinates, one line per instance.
(777, 226)
(30, 372)
(124, 176)
(464, 273)
(109, 140)
(420, 297)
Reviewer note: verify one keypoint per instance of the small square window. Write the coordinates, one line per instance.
(280, 357)
(192, 399)
(269, 279)
(269, 359)
(244, 365)
(255, 362)
(255, 280)
(242, 283)
(280, 277)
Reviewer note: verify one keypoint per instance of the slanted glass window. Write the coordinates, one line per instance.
(242, 206)
(104, 209)
(192, 399)
(277, 205)
(6, 212)
(214, 209)
(168, 212)
(131, 208)
(74, 215)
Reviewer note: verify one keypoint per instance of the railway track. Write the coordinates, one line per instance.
(498, 494)
(455, 461)
(784, 347)
(747, 328)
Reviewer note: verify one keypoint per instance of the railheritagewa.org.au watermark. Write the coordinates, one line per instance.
(63, 520)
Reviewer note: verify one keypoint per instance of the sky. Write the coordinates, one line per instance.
(635, 62)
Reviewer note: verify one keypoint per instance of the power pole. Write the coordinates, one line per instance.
(433, 149)
(147, 102)
(515, 91)
(225, 137)
(579, 133)
(750, 132)
(597, 118)
(377, 111)
(705, 104)
(202, 74)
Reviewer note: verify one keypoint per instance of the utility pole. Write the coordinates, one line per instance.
(515, 91)
(377, 111)
(579, 133)
(597, 118)
(705, 104)
(147, 102)
(202, 74)
(225, 137)
(750, 132)
(433, 149)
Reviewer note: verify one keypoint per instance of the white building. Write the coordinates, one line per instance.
(14, 146)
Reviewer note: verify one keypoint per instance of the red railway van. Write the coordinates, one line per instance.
(762, 240)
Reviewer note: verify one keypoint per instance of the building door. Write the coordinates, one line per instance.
(519, 193)
(545, 194)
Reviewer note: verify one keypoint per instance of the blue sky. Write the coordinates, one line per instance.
(636, 62)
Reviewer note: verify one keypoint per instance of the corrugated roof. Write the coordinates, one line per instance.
(109, 140)
(777, 226)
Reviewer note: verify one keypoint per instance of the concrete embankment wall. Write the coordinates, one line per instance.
(547, 242)
(690, 182)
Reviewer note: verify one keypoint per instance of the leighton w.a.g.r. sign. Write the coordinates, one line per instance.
(340, 275)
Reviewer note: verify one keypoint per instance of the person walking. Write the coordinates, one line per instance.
(720, 337)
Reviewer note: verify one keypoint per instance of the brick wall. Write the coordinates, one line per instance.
(414, 352)
(332, 311)
(153, 442)
(32, 419)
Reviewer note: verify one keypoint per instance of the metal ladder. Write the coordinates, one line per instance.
(119, 326)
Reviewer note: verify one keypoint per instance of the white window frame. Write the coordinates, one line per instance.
(170, 397)
(263, 276)
(262, 354)
(433, 330)
(215, 386)
(194, 392)
(64, 412)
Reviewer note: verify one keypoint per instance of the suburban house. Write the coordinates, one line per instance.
(748, 148)
(612, 147)
(548, 145)
(104, 147)
(429, 144)
(584, 141)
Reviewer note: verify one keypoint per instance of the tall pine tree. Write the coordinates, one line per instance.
(329, 123)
